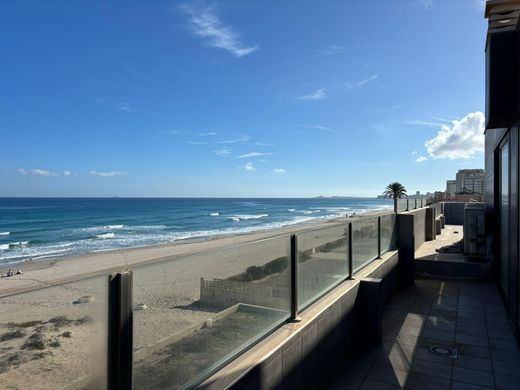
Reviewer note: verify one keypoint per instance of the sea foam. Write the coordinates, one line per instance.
(4, 233)
(245, 217)
(106, 235)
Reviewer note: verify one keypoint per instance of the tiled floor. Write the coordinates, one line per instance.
(467, 315)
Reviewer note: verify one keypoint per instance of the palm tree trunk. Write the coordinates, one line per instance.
(395, 205)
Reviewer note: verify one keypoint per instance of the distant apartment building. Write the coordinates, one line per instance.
(469, 180)
(451, 187)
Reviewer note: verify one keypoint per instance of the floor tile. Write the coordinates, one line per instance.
(481, 378)
(424, 354)
(471, 331)
(507, 368)
(508, 345)
(424, 382)
(375, 385)
(505, 356)
(346, 383)
(423, 367)
(467, 386)
(471, 340)
(474, 363)
(507, 382)
(473, 350)
(388, 375)
(432, 334)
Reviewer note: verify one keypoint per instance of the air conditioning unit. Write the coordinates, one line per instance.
(474, 230)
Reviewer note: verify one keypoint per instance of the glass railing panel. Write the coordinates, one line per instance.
(364, 242)
(55, 337)
(401, 205)
(322, 261)
(388, 232)
(193, 313)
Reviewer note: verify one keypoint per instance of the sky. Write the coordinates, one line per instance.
(239, 98)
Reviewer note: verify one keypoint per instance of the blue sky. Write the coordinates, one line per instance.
(238, 98)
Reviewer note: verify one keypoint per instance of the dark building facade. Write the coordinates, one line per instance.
(502, 149)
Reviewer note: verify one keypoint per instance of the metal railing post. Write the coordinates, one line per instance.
(350, 254)
(120, 331)
(415, 202)
(294, 278)
(379, 237)
(407, 204)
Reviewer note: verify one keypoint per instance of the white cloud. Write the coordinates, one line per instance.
(427, 4)
(207, 134)
(67, 173)
(462, 139)
(414, 153)
(316, 95)
(124, 107)
(107, 174)
(421, 159)
(263, 144)
(423, 123)
(332, 49)
(222, 152)
(253, 154)
(206, 24)
(280, 170)
(37, 172)
(322, 128)
(43, 172)
(360, 83)
(197, 143)
(249, 166)
(233, 140)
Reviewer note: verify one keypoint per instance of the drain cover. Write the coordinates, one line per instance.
(446, 352)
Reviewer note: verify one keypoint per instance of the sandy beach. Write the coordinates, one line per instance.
(64, 301)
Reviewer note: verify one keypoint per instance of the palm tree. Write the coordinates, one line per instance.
(395, 191)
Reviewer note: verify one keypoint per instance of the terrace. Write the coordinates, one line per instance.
(287, 310)
(465, 315)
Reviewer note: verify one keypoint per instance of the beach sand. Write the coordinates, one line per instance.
(167, 279)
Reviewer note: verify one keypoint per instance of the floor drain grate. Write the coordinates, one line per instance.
(445, 352)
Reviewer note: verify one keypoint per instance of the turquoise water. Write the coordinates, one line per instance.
(39, 228)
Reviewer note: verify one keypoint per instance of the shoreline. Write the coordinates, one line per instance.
(58, 270)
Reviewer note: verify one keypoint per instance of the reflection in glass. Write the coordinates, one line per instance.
(196, 311)
(322, 261)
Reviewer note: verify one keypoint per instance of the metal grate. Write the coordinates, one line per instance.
(445, 352)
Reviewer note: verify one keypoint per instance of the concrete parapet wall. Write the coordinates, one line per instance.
(225, 292)
(454, 213)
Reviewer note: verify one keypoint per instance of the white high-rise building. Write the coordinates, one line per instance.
(471, 180)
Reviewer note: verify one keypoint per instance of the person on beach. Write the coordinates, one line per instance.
(19, 272)
(9, 273)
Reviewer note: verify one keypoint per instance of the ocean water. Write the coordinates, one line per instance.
(39, 228)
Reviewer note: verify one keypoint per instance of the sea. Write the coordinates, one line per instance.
(40, 228)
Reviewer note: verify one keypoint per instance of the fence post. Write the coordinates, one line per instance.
(379, 237)
(120, 331)
(350, 254)
(415, 202)
(407, 204)
(294, 278)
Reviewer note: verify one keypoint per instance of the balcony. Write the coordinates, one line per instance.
(287, 310)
